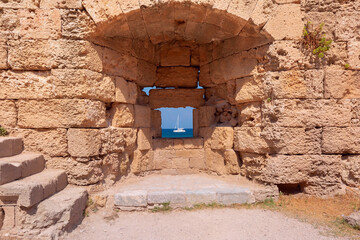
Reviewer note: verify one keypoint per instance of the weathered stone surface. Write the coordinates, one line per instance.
(31, 55)
(146, 75)
(350, 173)
(250, 114)
(79, 172)
(131, 199)
(241, 8)
(316, 174)
(20, 4)
(76, 24)
(300, 113)
(10, 146)
(234, 196)
(3, 55)
(277, 140)
(83, 142)
(50, 142)
(143, 161)
(222, 70)
(117, 140)
(176, 98)
(342, 84)
(144, 139)
(78, 54)
(61, 113)
(142, 116)
(196, 122)
(156, 122)
(126, 92)
(218, 137)
(249, 89)
(347, 25)
(8, 114)
(353, 219)
(172, 197)
(177, 77)
(174, 56)
(206, 116)
(73, 4)
(101, 10)
(127, 69)
(354, 56)
(295, 84)
(122, 115)
(341, 140)
(263, 11)
(291, 28)
(40, 24)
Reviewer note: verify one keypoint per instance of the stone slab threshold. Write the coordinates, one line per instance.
(188, 190)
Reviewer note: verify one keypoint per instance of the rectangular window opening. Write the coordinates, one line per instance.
(177, 122)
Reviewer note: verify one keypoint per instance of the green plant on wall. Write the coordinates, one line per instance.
(314, 40)
(3, 131)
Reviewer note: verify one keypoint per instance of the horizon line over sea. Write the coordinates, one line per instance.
(169, 133)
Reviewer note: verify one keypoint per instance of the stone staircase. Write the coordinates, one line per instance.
(35, 202)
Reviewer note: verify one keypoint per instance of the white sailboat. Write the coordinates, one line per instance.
(177, 128)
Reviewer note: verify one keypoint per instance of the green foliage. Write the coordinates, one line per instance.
(314, 41)
(268, 99)
(3, 131)
(164, 207)
(347, 66)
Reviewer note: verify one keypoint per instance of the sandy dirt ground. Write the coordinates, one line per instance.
(208, 224)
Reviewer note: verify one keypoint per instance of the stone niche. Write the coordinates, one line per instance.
(72, 87)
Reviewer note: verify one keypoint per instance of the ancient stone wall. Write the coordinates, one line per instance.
(72, 74)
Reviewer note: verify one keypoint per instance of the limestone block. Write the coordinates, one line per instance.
(142, 161)
(82, 83)
(142, 116)
(8, 114)
(31, 55)
(127, 69)
(217, 137)
(341, 140)
(80, 173)
(291, 28)
(61, 113)
(50, 142)
(101, 10)
(163, 159)
(126, 92)
(76, 24)
(249, 89)
(263, 11)
(156, 123)
(176, 98)
(231, 161)
(206, 116)
(214, 161)
(241, 8)
(40, 24)
(26, 85)
(329, 20)
(186, 77)
(193, 143)
(83, 142)
(206, 53)
(196, 122)
(78, 54)
(169, 196)
(19, 4)
(300, 113)
(350, 173)
(197, 163)
(354, 56)
(250, 114)
(205, 77)
(277, 140)
(117, 140)
(296, 84)
(3, 55)
(122, 115)
(223, 69)
(174, 56)
(72, 4)
(144, 139)
(347, 25)
(342, 84)
(146, 75)
(131, 198)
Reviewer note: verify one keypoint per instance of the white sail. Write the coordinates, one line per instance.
(177, 126)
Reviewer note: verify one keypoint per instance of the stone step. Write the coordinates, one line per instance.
(10, 146)
(29, 191)
(60, 213)
(20, 166)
